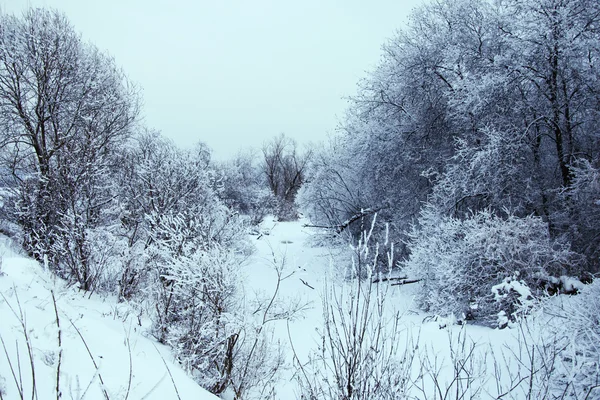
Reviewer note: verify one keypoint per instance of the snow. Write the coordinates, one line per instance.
(125, 356)
(309, 267)
(508, 285)
(315, 266)
(570, 284)
(114, 333)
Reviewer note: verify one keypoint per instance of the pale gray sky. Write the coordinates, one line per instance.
(234, 73)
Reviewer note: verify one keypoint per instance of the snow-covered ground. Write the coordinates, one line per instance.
(112, 353)
(105, 347)
(311, 266)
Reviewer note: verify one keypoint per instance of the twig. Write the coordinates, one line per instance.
(60, 349)
(89, 385)
(19, 367)
(93, 361)
(12, 370)
(21, 317)
(130, 369)
(296, 355)
(303, 281)
(168, 370)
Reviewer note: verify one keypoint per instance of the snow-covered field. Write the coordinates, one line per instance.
(104, 346)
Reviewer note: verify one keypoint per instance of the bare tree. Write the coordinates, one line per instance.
(285, 166)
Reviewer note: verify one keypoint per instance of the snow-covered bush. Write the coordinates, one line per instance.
(167, 194)
(461, 262)
(513, 297)
(193, 299)
(555, 354)
(200, 312)
(133, 270)
(242, 187)
(573, 325)
(195, 281)
(90, 257)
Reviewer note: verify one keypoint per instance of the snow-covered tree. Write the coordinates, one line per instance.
(64, 107)
(243, 188)
(162, 186)
(474, 105)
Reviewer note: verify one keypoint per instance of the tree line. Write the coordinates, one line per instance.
(476, 141)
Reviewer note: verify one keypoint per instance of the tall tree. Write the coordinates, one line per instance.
(64, 106)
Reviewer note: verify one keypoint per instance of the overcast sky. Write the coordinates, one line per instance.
(233, 73)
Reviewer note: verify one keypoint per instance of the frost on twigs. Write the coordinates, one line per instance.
(363, 352)
(194, 297)
(572, 324)
(481, 265)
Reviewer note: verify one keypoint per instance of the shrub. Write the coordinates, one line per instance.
(461, 261)
(574, 327)
(193, 301)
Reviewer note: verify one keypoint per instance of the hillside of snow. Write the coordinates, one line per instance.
(104, 351)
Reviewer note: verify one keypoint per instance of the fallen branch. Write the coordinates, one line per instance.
(397, 278)
(406, 282)
(340, 228)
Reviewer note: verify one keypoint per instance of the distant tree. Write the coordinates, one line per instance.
(64, 108)
(285, 167)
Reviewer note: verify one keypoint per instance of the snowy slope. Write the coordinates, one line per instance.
(129, 364)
